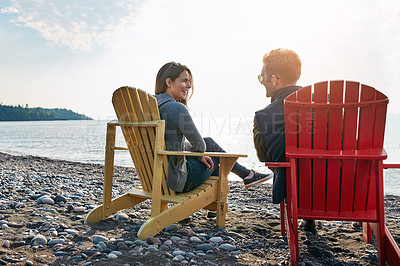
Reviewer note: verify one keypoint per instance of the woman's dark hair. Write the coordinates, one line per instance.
(171, 70)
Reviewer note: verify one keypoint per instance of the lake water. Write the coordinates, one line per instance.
(84, 141)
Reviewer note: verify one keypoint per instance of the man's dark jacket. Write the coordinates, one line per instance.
(269, 138)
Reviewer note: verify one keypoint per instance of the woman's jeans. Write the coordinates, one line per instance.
(198, 173)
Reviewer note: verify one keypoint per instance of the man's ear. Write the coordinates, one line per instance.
(274, 80)
(168, 81)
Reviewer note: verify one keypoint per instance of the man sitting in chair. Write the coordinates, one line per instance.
(279, 75)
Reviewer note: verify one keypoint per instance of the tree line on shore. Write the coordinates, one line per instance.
(25, 113)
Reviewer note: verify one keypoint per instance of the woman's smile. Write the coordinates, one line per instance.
(180, 87)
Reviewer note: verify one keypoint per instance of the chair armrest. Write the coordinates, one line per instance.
(391, 165)
(272, 165)
(367, 154)
(277, 164)
(213, 154)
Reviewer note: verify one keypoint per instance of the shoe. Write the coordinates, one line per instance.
(255, 178)
(307, 225)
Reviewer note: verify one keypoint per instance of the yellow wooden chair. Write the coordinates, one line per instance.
(143, 130)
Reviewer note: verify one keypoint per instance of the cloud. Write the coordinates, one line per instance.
(77, 24)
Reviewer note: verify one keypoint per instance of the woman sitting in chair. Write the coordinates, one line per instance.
(173, 84)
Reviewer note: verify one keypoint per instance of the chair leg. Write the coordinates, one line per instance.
(292, 238)
(108, 171)
(292, 232)
(392, 249)
(226, 165)
(282, 210)
(367, 233)
(381, 245)
(379, 232)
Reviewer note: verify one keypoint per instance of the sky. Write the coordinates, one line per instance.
(74, 54)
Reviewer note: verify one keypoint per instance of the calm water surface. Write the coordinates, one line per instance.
(84, 141)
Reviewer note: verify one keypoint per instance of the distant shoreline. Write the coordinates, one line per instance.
(26, 113)
(44, 120)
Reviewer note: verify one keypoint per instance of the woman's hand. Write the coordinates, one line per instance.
(208, 162)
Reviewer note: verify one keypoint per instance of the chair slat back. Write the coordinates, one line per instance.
(319, 137)
(133, 105)
(304, 141)
(335, 116)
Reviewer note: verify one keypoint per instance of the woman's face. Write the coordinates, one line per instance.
(179, 88)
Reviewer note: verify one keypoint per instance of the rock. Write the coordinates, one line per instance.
(39, 240)
(71, 231)
(195, 239)
(106, 250)
(28, 263)
(153, 240)
(19, 205)
(178, 258)
(169, 255)
(99, 238)
(56, 246)
(62, 226)
(116, 253)
(227, 247)
(48, 200)
(164, 247)
(122, 246)
(152, 249)
(186, 232)
(175, 238)
(70, 208)
(204, 247)
(172, 227)
(79, 209)
(59, 198)
(216, 239)
(168, 242)
(119, 217)
(97, 255)
(101, 246)
(55, 241)
(45, 200)
(178, 252)
(189, 254)
(112, 256)
(138, 242)
(7, 244)
(61, 253)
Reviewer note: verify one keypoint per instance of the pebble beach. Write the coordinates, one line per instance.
(43, 203)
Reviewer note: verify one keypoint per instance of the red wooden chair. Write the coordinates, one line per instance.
(334, 135)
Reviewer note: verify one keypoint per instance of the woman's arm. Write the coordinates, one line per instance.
(189, 130)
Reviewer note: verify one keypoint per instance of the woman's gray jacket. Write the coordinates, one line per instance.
(178, 126)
